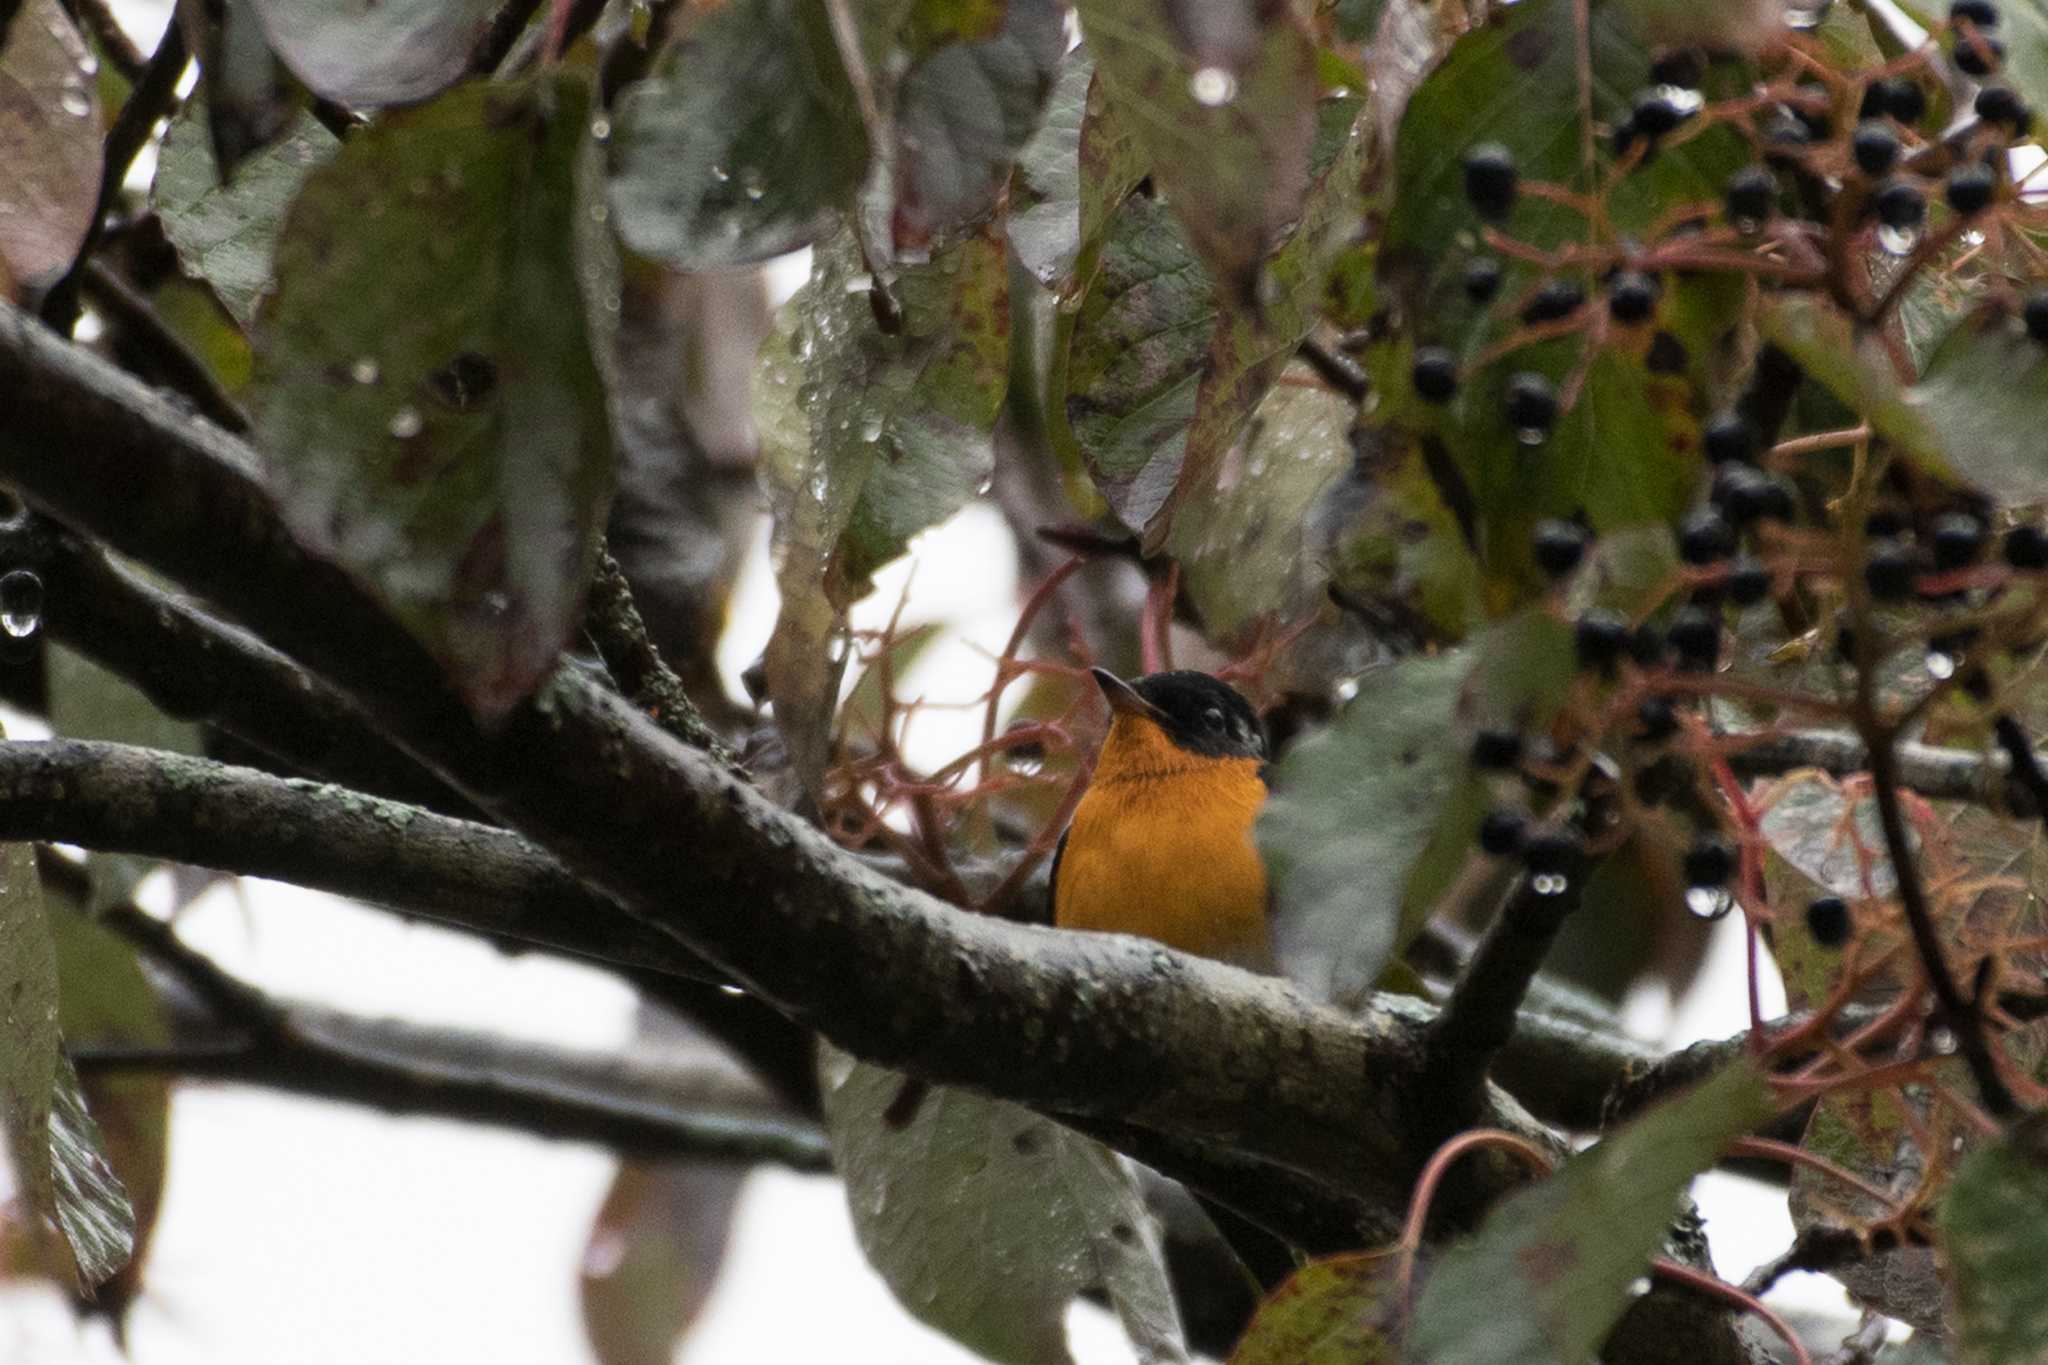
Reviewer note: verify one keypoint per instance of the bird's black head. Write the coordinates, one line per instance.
(1199, 713)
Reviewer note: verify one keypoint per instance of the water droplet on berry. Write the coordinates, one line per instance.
(1897, 241)
(406, 423)
(1940, 666)
(1708, 902)
(1550, 883)
(1212, 87)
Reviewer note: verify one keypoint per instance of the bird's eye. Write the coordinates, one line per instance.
(1213, 718)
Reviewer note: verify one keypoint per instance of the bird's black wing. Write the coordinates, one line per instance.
(1052, 882)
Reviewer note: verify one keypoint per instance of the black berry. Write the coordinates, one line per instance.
(1982, 13)
(1875, 146)
(1558, 298)
(1979, 55)
(1958, 538)
(1695, 637)
(1500, 832)
(1531, 402)
(2026, 547)
(1705, 537)
(1551, 852)
(1495, 749)
(1482, 279)
(1827, 919)
(1658, 719)
(1435, 374)
(2034, 312)
(1646, 645)
(1632, 297)
(1900, 205)
(1749, 194)
(1728, 437)
(1897, 96)
(1684, 67)
(2000, 105)
(1599, 637)
(1740, 491)
(1748, 583)
(1889, 571)
(1666, 355)
(1778, 500)
(1558, 546)
(1884, 522)
(1709, 862)
(1490, 180)
(1970, 188)
(1656, 113)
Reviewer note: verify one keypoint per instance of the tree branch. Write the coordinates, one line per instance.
(636, 1103)
(1940, 774)
(614, 625)
(116, 798)
(1095, 1025)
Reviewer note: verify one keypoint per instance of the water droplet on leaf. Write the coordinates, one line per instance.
(406, 423)
(364, 371)
(1213, 87)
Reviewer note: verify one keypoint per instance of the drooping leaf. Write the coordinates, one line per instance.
(741, 144)
(869, 437)
(963, 114)
(1327, 1313)
(1985, 391)
(1549, 1272)
(226, 234)
(1045, 194)
(444, 435)
(987, 1219)
(50, 145)
(1226, 132)
(52, 1142)
(1371, 819)
(1625, 447)
(652, 1258)
(1852, 363)
(370, 53)
(1994, 1226)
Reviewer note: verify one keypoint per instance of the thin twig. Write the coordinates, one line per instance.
(114, 43)
(180, 366)
(613, 622)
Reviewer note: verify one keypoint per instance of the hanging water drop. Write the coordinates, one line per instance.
(600, 127)
(1941, 667)
(1708, 902)
(21, 603)
(738, 992)
(364, 371)
(1212, 87)
(1941, 1040)
(406, 423)
(1897, 241)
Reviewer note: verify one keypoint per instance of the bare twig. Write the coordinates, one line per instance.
(180, 366)
(615, 627)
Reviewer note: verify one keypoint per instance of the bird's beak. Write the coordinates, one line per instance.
(1123, 699)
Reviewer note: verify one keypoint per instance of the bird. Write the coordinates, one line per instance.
(1161, 842)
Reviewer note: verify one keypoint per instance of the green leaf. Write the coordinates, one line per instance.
(869, 437)
(1235, 164)
(226, 234)
(1329, 1312)
(1985, 390)
(1625, 449)
(50, 145)
(444, 435)
(1549, 1272)
(987, 1219)
(741, 144)
(370, 53)
(1371, 819)
(962, 115)
(1994, 1226)
(52, 1140)
(1045, 193)
(1852, 363)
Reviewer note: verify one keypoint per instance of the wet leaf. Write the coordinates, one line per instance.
(226, 234)
(50, 145)
(1045, 193)
(251, 100)
(1227, 134)
(444, 435)
(987, 1219)
(1985, 391)
(1994, 1226)
(963, 114)
(1327, 1313)
(1624, 449)
(370, 53)
(741, 144)
(869, 437)
(652, 1258)
(1810, 827)
(1536, 1284)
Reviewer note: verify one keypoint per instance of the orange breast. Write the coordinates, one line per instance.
(1161, 846)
